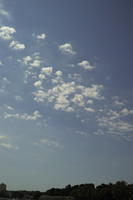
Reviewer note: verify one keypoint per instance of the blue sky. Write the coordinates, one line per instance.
(66, 92)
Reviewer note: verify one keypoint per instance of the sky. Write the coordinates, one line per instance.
(66, 92)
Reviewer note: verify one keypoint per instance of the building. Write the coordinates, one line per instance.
(2, 187)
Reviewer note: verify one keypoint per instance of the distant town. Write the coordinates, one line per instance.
(117, 191)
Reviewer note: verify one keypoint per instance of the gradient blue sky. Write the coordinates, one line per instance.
(66, 94)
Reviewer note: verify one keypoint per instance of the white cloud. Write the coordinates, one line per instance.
(57, 80)
(5, 80)
(58, 73)
(89, 109)
(78, 100)
(114, 114)
(66, 95)
(115, 126)
(90, 101)
(51, 143)
(8, 146)
(31, 61)
(38, 84)
(3, 12)
(75, 77)
(99, 132)
(16, 45)
(2, 91)
(81, 133)
(26, 60)
(40, 95)
(93, 92)
(36, 63)
(58, 94)
(58, 77)
(47, 70)
(6, 32)
(18, 98)
(24, 116)
(8, 107)
(3, 137)
(41, 36)
(62, 103)
(114, 123)
(119, 103)
(64, 90)
(42, 76)
(86, 65)
(126, 112)
(67, 49)
(1, 63)
(28, 75)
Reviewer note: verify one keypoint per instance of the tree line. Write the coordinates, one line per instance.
(117, 191)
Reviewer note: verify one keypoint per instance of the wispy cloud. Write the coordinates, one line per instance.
(114, 123)
(18, 98)
(8, 146)
(82, 133)
(4, 83)
(1, 63)
(49, 143)
(24, 116)
(3, 12)
(4, 143)
(3, 137)
(119, 103)
(8, 107)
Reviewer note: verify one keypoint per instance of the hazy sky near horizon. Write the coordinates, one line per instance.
(66, 92)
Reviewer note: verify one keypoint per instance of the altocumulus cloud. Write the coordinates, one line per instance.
(7, 33)
(16, 45)
(31, 61)
(86, 65)
(67, 49)
(41, 36)
(63, 89)
(24, 116)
